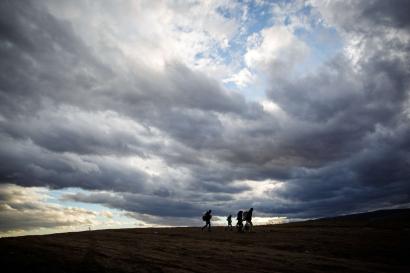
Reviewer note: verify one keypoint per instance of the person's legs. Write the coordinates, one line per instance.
(246, 226)
(240, 226)
(209, 225)
(206, 225)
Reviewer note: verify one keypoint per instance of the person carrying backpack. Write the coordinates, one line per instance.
(248, 218)
(207, 219)
(239, 224)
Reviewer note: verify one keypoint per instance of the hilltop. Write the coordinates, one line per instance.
(367, 242)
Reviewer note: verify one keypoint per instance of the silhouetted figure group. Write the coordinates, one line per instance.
(244, 216)
(241, 216)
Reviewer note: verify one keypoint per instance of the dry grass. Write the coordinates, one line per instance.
(333, 245)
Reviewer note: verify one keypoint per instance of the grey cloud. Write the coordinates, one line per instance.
(159, 209)
(180, 102)
(392, 14)
(145, 204)
(70, 129)
(355, 125)
(341, 144)
(24, 163)
(209, 186)
(65, 72)
(362, 16)
(164, 221)
(46, 53)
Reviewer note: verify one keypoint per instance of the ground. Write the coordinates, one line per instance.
(371, 242)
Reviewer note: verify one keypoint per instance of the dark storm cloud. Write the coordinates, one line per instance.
(41, 57)
(71, 115)
(69, 119)
(362, 16)
(152, 205)
(360, 118)
(340, 108)
(26, 164)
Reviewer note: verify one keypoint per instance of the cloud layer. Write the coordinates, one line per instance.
(26, 209)
(130, 104)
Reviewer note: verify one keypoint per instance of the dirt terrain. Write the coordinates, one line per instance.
(370, 242)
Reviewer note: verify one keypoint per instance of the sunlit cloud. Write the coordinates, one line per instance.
(148, 113)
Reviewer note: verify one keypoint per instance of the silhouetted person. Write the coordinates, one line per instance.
(248, 218)
(229, 219)
(207, 218)
(239, 224)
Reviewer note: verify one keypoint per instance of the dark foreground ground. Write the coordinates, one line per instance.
(371, 242)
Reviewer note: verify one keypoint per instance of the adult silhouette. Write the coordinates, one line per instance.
(248, 218)
(229, 219)
(207, 219)
(239, 223)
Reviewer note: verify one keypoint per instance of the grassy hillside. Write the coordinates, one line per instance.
(369, 242)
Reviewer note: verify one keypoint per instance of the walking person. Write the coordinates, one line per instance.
(248, 218)
(207, 219)
(239, 224)
(229, 219)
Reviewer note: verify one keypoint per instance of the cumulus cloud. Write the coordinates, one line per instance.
(140, 115)
(276, 49)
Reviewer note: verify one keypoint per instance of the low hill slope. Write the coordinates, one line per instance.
(370, 242)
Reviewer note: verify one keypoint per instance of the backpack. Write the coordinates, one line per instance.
(206, 216)
(239, 216)
(244, 215)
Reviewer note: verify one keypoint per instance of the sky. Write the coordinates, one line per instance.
(118, 114)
